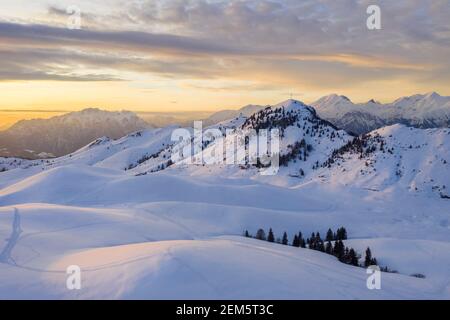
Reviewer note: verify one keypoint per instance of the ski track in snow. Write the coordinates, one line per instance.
(5, 255)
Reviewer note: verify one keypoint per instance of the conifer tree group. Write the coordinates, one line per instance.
(260, 235)
(369, 260)
(333, 244)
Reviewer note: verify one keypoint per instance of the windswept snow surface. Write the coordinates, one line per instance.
(176, 233)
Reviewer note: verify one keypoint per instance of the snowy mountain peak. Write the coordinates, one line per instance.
(427, 100)
(289, 102)
(90, 110)
(432, 95)
(334, 99)
(306, 139)
(293, 105)
(333, 106)
(429, 110)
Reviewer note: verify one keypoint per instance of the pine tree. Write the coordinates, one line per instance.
(329, 248)
(318, 238)
(271, 237)
(302, 240)
(302, 243)
(353, 257)
(341, 234)
(246, 234)
(346, 257)
(320, 246)
(374, 262)
(329, 236)
(260, 235)
(296, 241)
(335, 248)
(339, 249)
(312, 241)
(341, 255)
(285, 239)
(368, 259)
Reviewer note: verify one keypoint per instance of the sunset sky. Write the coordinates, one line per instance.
(161, 55)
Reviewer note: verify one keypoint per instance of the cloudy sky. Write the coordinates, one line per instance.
(163, 55)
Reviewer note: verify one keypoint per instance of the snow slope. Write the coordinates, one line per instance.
(175, 233)
(13, 163)
(396, 157)
(213, 269)
(128, 253)
(126, 153)
(116, 227)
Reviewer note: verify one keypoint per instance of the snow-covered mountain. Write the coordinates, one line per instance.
(60, 135)
(305, 139)
(142, 227)
(394, 157)
(138, 152)
(422, 111)
(310, 148)
(397, 156)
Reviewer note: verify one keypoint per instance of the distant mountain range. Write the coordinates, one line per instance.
(421, 111)
(311, 148)
(61, 135)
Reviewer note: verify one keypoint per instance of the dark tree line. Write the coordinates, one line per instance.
(333, 244)
(364, 145)
(340, 234)
(299, 150)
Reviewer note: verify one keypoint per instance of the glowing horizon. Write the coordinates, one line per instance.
(172, 56)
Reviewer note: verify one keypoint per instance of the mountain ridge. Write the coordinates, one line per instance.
(63, 134)
(429, 110)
